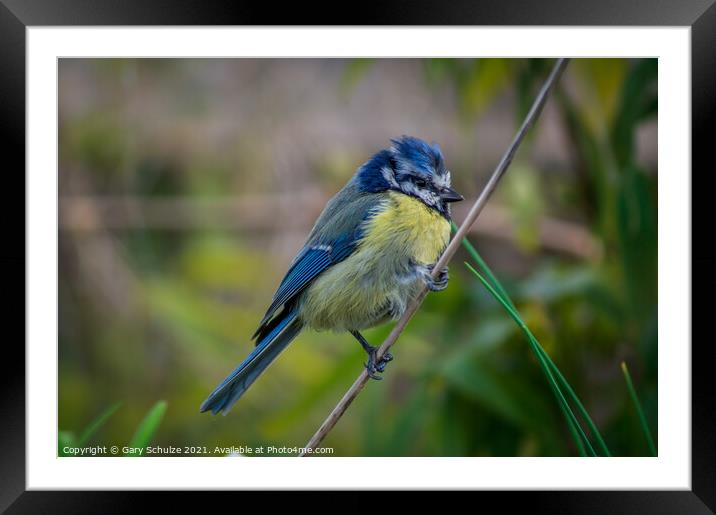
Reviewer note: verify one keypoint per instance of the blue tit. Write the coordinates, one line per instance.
(370, 252)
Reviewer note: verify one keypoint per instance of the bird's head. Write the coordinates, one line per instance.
(413, 167)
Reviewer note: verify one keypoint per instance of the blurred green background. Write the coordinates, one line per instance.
(186, 187)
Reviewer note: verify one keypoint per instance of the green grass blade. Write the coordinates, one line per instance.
(581, 449)
(582, 410)
(639, 410)
(560, 377)
(149, 425)
(577, 433)
(65, 439)
(97, 423)
(564, 405)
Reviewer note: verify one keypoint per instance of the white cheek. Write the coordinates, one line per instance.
(388, 176)
(443, 181)
(428, 197)
(409, 187)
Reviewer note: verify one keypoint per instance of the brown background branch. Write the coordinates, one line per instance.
(296, 212)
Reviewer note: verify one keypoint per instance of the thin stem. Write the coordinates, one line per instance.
(472, 215)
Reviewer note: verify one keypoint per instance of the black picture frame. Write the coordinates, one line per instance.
(17, 15)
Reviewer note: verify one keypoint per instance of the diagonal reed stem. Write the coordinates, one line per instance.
(462, 231)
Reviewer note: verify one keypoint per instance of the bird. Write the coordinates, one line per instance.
(370, 252)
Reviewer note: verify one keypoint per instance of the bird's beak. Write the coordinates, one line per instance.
(450, 195)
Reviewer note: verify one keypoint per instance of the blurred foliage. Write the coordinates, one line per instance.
(148, 426)
(68, 444)
(150, 313)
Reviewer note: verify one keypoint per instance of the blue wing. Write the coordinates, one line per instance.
(333, 238)
(308, 264)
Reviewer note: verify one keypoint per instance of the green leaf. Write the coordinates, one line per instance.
(529, 78)
(65, 439)
(603, 78)
(637, 231)
(477, 82)
(522, 190)
(148, 426)
(485, 81)
(455, 437)
(491, 384)
(408, 424)
(97, 423)
(549, 368)
(488, 336)
(580, 438)
(638, 101)
(312, 396)
(550, 284)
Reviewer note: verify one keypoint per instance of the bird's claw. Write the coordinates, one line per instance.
(374, 366)
(387, 357)
(440, 283)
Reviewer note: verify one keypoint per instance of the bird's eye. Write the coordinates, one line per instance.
(420, 183)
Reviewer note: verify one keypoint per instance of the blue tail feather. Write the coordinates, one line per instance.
(236, 383)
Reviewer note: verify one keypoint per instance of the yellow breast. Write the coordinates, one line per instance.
(369, 285)
(408, 225)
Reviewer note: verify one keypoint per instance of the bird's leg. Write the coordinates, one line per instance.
(438, 284)
(373, 366)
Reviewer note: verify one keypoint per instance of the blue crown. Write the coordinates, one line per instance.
(420, 156)
(408, 154)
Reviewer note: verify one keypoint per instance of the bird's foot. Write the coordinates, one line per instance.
(375, 366)
(438, 284)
